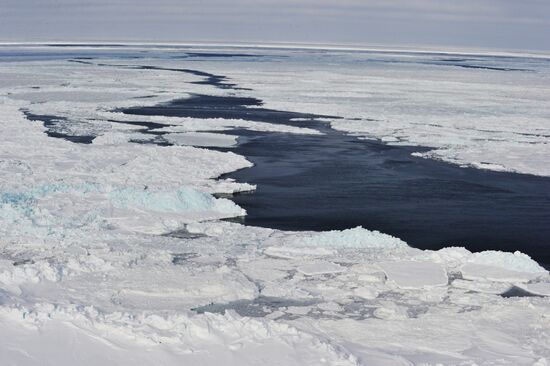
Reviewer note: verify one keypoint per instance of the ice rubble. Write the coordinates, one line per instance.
(181, 200)
(121, 338)
(358, 238)
(82, 262)
(501, 266)
(516, 261)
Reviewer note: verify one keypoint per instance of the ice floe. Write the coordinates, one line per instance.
(415, 274)
(202, 139)
(317, 268)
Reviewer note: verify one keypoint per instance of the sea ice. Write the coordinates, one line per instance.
(516, 261)
(357, 238)
(472, 271)
(502, 266)
(488, 287)
(415, 274)
(202, 139)
(317, 268)
(92, 253)
(489, 119)
(537, 288)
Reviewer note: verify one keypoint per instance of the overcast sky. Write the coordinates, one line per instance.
(502, 24)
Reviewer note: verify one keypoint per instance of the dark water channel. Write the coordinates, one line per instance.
(336, 181)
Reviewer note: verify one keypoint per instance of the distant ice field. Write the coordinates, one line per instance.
(117, 165)
(490, 112)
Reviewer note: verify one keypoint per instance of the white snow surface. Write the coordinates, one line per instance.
(113, 252)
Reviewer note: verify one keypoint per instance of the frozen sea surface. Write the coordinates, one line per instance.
(112, 239)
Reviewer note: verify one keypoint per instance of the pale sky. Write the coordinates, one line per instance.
(500, 24)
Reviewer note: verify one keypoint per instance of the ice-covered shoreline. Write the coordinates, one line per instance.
(89, 260)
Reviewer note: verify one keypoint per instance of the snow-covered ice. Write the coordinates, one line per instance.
(537, 288)
(500, 266)
(317, 268)
(202, 139)
(108, 249)
(415, 274)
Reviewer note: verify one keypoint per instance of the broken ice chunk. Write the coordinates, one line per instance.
(415, 274)
(317, 268)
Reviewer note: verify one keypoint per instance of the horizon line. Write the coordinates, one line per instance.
(349, 47)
